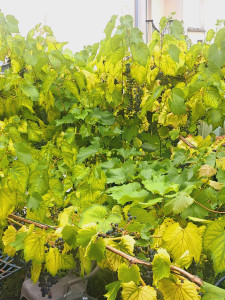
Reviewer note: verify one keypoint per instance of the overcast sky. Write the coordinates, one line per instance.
(79, 22)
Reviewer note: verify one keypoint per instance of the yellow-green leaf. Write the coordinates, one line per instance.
(214, 242)
(161, 265)
(177, 240)
(53, 261)
(126, 245)
(34, 248)
(207, 171)
(35, 272)
(127, 274)
(7, 202)
(177, 290)
(133, 292)
(9, 237)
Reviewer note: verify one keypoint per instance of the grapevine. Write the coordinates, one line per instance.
(102, 161)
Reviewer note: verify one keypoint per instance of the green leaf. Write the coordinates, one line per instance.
(179, 203)
(220, 37)
(210, 35)
(34, 201)
(128, 192)
(12, 24)
(211, 292)
(112, 289)
(110, 26)
(71, 86)
(157, 185)
(214, 242)
(179, 157)
(136, 35)
(174, 52)
(30, 59)
(174, 134)
(84, 153)
(23, 153)
(69, 234)
(176, 28)
(18, 243)
(133, 292)
(96, 249)
(177, 104)
(140, 53)
(216, 55)
(85, 235)
(98, 214)
(103, 117)
(30, 91)
(161, 265)
(127, 274)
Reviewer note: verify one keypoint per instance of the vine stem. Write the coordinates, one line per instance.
(174, 269)
(42, 226)
(214, 211)
(187, 142)
(15, 222)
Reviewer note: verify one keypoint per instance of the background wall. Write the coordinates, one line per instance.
(81, 22)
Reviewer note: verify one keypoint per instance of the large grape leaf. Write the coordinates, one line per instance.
(177, 103)
(214, 242)
(177, 240)
(35, 271)
(129, 273)
(96, 249)
(34, 248)
(158, 185)
(161, 265)
(140, 53)
(179, 203)
(211, 292)
(128, 192)
(99, 214)
(216, 55)
(133, 292)
(9, 237)
(85, 234)
(18, 176)
(126, 245)
(85, 262)
(55, 261)
(7, 202)
(174, 52)
(177, 290)
(84, 153)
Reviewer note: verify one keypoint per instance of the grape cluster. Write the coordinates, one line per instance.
(146, 272)
(21, 213)
(59, 243)
(115, 231)
(147, 251)
(130, 217)
(46, 281)
(137, 99)
(147, 275)
(54, 210)
(129, 88)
